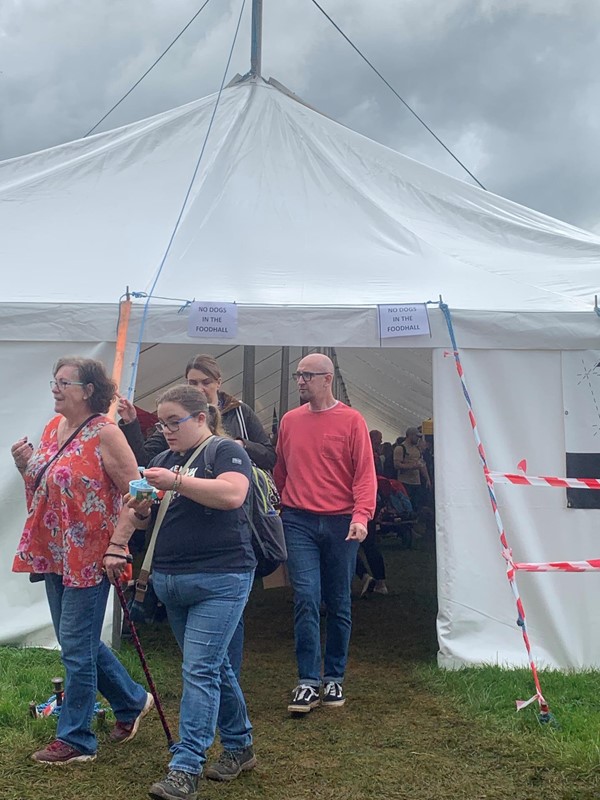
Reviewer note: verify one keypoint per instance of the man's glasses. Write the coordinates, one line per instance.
(63, 384)
(173, 426)
(307, 376)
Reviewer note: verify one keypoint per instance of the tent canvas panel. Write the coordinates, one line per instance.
(517, 398)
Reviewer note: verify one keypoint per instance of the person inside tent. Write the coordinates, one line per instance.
(238, 420)
(375, 580)
(409, 463)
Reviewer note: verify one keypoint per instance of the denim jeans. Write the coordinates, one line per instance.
(321, 565)
(90, 667)
(235, 651)
(204, 610)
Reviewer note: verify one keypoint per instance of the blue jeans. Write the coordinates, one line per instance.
(321, 566)
(235, 651)
(204, 609)
(90, 667)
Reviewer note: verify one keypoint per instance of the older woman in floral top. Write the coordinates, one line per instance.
(74, 483)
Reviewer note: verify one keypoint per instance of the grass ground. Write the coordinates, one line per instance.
(408, 731)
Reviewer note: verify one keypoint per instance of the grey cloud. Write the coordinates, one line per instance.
(511, 86)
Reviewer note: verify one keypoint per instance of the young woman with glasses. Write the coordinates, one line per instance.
(238, 420)
(203, 569)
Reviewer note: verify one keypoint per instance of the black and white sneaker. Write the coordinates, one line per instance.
(304, 699)
(333, 695)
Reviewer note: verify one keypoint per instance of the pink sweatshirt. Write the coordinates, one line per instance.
(325, 462)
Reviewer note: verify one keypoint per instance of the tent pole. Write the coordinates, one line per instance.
(284, 388)
(124, 316)
(256, 51)
(248, 378)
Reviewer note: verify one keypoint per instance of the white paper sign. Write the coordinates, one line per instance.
(403, 321)
(213, 320)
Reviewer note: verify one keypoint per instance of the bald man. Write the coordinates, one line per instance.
(326, 477)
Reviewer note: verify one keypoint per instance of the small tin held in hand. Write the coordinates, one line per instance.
(142, 490)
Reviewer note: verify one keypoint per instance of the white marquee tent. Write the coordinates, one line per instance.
(307, 226)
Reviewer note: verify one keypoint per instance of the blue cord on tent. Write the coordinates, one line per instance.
(131, 387)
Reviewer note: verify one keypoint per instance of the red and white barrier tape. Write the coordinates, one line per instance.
(590, 565)
(542, 480)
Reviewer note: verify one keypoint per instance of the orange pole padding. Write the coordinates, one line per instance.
(124, 315)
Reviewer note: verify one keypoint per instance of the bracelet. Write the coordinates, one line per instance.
(116, 555)
(118, 544)
(140, 516)
(176, 482)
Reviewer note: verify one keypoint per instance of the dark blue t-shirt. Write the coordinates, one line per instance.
(194, 538)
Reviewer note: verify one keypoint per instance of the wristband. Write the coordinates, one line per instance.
(140, 516)
(127, 558)
(176, 482)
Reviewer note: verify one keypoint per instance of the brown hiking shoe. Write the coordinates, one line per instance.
(125, 731)
(59, 753)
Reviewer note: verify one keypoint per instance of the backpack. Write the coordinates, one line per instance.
(268, 540)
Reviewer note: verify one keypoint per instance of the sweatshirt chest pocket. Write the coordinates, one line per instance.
(333, 447)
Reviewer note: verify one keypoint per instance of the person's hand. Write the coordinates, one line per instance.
(126, 410)
(358, 532)
(141, 507)
(114, 563)
(162, 479)
(21, 452)
(428, 483)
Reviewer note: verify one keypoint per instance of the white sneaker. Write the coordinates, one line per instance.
(380, 587)
(304, 699)
(333, 695)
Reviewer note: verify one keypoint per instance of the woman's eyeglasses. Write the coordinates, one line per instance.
(173, 426)
(63, 384)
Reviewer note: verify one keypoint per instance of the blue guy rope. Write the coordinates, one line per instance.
(131, 387)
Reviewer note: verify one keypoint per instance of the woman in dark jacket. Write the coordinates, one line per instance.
(238, 419)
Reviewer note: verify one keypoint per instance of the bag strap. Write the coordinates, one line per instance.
(42, 472)
(141, 585)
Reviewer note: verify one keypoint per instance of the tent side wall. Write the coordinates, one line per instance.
(517, 398)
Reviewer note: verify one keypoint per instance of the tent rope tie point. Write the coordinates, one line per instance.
(506, 550)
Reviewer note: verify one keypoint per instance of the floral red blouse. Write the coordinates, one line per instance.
(73, 512)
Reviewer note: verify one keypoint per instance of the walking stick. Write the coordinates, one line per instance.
(138, 647)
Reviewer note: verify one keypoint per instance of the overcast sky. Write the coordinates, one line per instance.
(511, 86)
